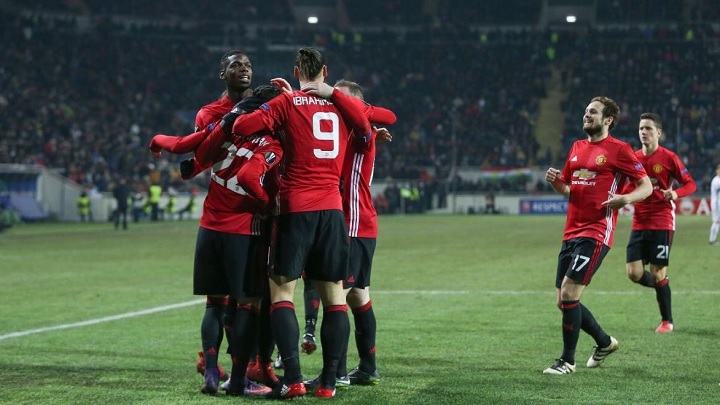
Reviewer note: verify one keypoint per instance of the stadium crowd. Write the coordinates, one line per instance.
(84, 95)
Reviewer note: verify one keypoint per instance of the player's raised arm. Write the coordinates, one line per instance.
(176, 144)
(346, 104)
(379, 115)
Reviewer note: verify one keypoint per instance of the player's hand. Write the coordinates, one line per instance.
(261, 95)
(383, 135)
(320, 89)
(281, 84)
(552, 174)
(155, 149)
(670, 195)
(187, 168)
(243, 106)
(615, 201)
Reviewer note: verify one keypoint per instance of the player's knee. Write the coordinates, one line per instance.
(658, 274)
(634, 273)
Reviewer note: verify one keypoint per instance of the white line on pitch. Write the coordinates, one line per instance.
(379, 292)
(176, 306)
(101, 320)
(419, 292)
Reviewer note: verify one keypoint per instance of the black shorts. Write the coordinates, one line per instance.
(362, 251)
(315, 242)
(227, 264)
(650, 246)
(579, 259)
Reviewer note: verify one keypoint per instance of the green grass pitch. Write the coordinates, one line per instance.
(465, 308)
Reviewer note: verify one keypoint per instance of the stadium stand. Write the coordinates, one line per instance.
(86, 83)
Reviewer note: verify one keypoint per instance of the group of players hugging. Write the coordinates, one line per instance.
(289, 198)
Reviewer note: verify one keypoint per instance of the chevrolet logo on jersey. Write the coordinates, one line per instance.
(584, 174)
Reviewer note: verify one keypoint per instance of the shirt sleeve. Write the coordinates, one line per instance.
(352, 112)
(265, 119)
(379, 115)
(249, 175)
(206, 151)
(178, 144)
(628, 164)
(682, 174)
(566, 175)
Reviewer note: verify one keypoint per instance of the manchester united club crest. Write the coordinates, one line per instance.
(600, 160)
(657, 168)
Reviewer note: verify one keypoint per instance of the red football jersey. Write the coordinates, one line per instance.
(664, 168)
(315, 139)
(358, 168)
(360, 214)
(209, 115)
(233, 199)
(594, 170)
(213, 112)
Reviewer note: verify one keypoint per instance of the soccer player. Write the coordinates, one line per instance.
(361, 177)
(715, 206)
(228, 258)
(310, 231)
(595, 169)
(653, 224)
(239, 166)
(361, 219)
(236, 72)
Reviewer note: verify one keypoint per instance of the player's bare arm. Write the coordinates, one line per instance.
(320, 89)
(642, 190)
(554, 178)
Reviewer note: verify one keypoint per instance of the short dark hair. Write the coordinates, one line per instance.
(653, 117)
(309, 62)
(611, 109)
(355, 89)
(225, 60)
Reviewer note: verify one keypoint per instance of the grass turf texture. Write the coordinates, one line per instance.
(465, 308)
